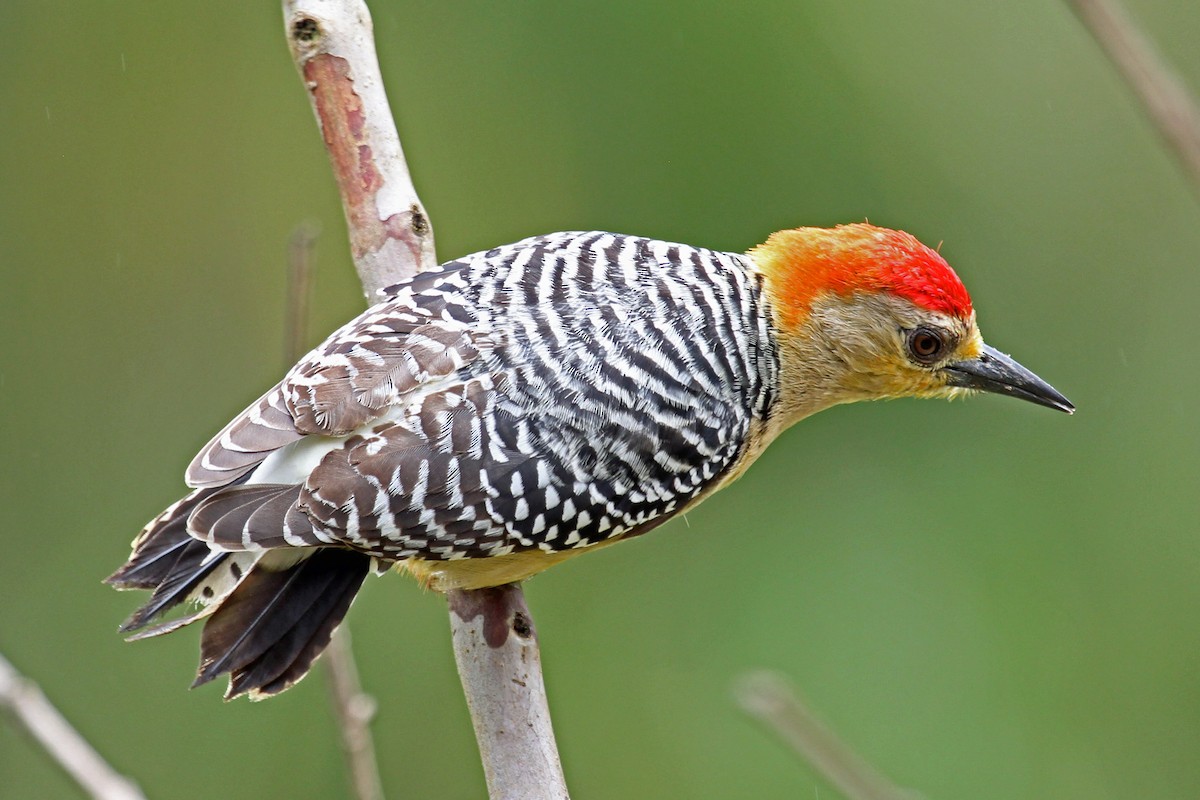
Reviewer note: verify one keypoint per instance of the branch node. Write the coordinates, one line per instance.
(420, 224)
(305, 31)
(522, 625)
(364, 707)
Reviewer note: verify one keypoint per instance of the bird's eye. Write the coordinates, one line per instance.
(926, 345)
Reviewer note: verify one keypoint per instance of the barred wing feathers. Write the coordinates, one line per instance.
(352, 378)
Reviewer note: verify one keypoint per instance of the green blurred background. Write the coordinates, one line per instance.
(987, 599)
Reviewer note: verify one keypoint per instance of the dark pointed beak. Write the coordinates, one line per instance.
(995, 372)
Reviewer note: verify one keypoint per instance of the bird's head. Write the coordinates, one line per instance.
(866, 313)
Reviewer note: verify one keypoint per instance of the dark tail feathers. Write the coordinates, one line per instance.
(159, 546)
(267, 633)
(267, 626)
(166, 559)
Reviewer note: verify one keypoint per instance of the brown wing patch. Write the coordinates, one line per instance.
(351, 384)
(255, 517)
(242, 445)
(418, 486)
(361, 370)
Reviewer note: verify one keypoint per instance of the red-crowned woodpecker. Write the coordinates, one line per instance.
(514, 408)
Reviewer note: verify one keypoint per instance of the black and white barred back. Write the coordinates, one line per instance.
(550, 394)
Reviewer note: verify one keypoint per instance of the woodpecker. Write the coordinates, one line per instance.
(514, 408)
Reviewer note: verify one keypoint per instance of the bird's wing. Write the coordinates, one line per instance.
(423, 485)
(583, 415)
(588, 423)
(423, 334)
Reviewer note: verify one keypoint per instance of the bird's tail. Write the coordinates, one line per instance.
(269, 613)
(274, 624)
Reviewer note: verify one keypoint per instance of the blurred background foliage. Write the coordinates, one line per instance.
(987, 599)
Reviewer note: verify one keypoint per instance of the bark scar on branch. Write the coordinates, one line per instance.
(496, 649)
(468, 606)
(340, 110)
(332, 43)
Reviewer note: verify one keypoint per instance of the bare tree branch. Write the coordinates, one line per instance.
(769, 698)
(1169, 104)
(332, 44)
(354, 709)
(28, 705)
(392, 239)
(302, 266)
(496, 648)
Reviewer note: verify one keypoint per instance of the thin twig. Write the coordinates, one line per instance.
(31, 709)
(1169, 104)
(354, 710)
(302, 267)
(769, 698)
(352, 707)
(391, 240)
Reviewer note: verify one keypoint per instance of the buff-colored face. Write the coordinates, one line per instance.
(866, 313)
(889, 347)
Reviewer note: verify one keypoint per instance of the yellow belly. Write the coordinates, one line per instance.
(479, 573)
